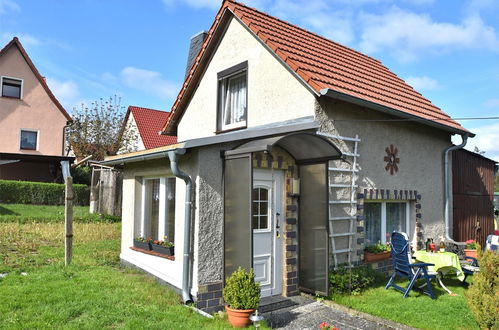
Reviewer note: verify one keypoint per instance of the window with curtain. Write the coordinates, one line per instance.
(382, 218)
(158, 209)
(233, 98)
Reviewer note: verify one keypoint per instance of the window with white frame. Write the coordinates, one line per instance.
(12, 87)
(158, 208)
(233, 97)
(260, 209)
(29, 140)
(382, 218)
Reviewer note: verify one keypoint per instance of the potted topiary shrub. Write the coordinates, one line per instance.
(470, 249)
(376, 252)
(242, 296)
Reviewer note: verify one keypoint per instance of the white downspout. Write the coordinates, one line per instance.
(186, 264)
(446, 184)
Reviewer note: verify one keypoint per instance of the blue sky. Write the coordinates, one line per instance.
(87, 49)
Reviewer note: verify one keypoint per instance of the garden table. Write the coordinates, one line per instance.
(445, 263)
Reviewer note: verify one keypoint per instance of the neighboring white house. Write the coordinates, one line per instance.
(145, 125)
(294, 153)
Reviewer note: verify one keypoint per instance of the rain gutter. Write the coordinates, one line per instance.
(186, 262)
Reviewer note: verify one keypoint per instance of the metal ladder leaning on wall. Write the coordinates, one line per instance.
(350, 199)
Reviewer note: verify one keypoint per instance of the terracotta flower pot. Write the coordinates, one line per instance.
(239, 318)
(470, 253)
(373, 257)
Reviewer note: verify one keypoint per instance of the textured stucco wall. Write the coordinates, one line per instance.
(273, 93)
(209, 214)
(167, 270)
(420, 149)
(34, 111)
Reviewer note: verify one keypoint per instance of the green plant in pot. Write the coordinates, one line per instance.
(242, 296)
(376, 252)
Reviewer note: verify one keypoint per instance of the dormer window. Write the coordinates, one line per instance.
(12, 87)
(233, 97)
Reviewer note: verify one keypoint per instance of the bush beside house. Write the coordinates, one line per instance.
(24, 192)
(483, 294)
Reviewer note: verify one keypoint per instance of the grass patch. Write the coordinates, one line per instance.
(92, 293)
(26, 213)
(418, 310)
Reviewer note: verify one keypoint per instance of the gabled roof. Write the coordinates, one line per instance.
(15, 42)
(149, 123)
(322, 64)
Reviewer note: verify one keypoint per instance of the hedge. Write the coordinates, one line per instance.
(25, 192)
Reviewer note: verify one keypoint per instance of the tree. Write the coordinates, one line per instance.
(99, 129)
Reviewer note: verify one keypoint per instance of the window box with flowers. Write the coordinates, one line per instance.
(470, 249)
(142, 243)
(376, 252)
(163, 247)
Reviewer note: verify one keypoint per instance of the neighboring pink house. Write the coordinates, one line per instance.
(32, 121)
(147, 124)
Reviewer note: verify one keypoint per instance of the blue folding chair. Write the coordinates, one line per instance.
(402, 266)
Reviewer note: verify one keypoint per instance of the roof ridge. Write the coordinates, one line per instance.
(137, 107)
(305, 30)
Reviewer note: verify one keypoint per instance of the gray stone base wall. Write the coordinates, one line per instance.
(209, 297)
(383, 266)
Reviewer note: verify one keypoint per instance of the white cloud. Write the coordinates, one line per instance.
(491, 103)
(419, 2)
(148, 81)
(486, 140)
(211, 4)
(407, 34)
(67, 92)
(26, 39)
(8, 5)
(422, 83)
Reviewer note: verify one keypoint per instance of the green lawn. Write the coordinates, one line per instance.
(418, 310)
(93, 293)
(24, 213)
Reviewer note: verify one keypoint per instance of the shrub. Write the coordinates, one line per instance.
(25, 192)
(352, 280)
(82, 175)
(483, 294)
(241, 291)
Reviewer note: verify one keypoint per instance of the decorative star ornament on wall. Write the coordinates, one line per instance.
(391, 159)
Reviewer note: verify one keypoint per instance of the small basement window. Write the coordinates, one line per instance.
(29, 140)
(12, 87)
(158, 209)
(233, 97)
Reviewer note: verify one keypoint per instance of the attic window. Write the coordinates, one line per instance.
(11, 87)
(233, 97)
(29, 140)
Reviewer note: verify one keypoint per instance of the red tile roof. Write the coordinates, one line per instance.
(149, 123)
(321, 63)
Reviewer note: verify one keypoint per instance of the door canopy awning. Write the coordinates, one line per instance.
(304, 147)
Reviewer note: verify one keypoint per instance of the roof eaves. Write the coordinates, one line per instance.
(382, 108)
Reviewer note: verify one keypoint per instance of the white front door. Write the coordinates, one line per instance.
(268, 226)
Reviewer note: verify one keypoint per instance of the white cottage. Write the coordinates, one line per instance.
(294, 153)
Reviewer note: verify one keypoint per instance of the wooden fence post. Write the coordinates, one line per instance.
(68, 221)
